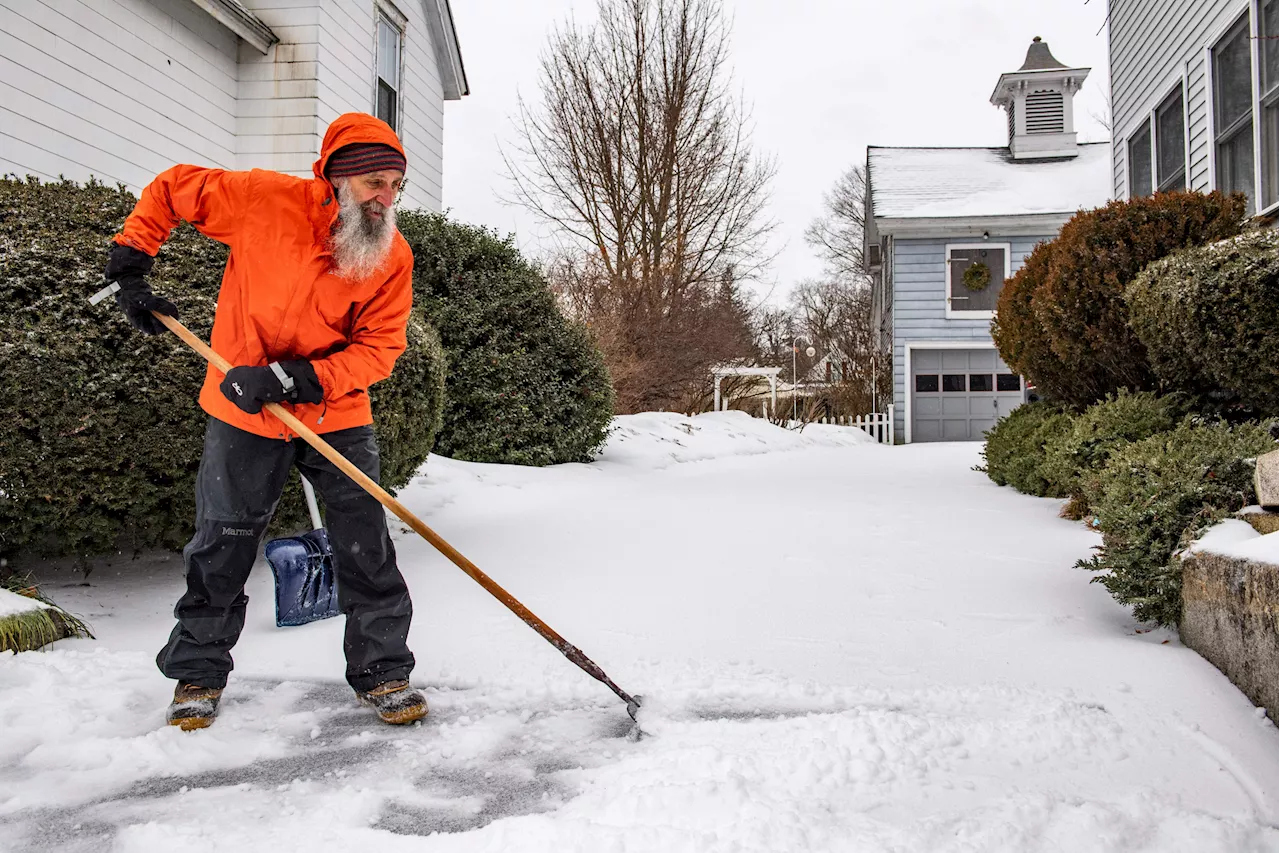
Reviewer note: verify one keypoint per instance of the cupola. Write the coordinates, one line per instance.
(1038, 98)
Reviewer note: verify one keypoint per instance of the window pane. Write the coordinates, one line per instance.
(1231, 77)
(964, 299)
(1170, 144)
(927, 383)
(1235, 164)
(979, 381)
(1140, 163)
(1270, 66)
(1008, 382)
(387, 104)
(953, 382)
(388, 53)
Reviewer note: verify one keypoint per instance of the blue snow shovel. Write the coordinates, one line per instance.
(303, 568)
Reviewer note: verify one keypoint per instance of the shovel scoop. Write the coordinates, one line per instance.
(306, 589)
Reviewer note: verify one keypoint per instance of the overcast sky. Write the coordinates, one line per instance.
(824, 79)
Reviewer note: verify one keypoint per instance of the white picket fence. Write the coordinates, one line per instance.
(878, 425)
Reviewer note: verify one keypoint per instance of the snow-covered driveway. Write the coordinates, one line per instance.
(844, 647)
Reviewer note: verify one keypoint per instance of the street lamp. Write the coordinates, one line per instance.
(809, 351)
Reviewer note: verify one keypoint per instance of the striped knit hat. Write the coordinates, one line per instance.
(361, 158)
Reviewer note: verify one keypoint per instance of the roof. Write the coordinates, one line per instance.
(233, 15)
(956, 182)
(1039, 58)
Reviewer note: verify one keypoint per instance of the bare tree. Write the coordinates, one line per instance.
(837, 234)
(837, 315)
(639, 152)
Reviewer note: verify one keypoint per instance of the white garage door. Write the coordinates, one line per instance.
(957, 395)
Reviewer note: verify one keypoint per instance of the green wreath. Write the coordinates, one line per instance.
(977, 277)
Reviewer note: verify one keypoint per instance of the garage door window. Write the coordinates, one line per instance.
(1008, 382)
(927, 383)
(952, 382)
(979, 381)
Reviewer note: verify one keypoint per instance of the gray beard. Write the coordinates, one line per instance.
(360, 244)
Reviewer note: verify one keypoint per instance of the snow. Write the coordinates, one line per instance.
(942, 182)
(11, 603)
(842, 646)
(1235, 538)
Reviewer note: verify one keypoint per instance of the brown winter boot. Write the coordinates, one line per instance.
(395, 702)
(193, 706)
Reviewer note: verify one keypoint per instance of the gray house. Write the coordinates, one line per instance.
(1194, 97)
(946, 226)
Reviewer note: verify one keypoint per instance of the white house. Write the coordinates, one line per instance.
(946, 226)
(123, 89)
(1194, 97)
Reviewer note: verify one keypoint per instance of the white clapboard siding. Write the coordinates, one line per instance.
(1154, 46)
(277, 121)
(123, 89)
(115, 89)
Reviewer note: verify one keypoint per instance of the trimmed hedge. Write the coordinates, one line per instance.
(103, 433)
(1015, 449)
(1207, 316)
(526, 385)
(1072, 297)
(1080, 453)
(1153, 495)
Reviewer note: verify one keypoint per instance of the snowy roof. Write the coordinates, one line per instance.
(954, 182)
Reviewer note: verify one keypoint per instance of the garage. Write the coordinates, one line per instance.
(958, 394)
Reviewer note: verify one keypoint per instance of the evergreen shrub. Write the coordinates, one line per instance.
(1015, 449)
(1079, 454)
(1072, 298)
(103, 433)
(1154, 495)
(525, 384)
(1207, 316)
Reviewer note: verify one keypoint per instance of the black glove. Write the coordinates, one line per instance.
(250, 387)
(126, 266)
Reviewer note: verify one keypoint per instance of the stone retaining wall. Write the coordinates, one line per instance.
(1229, 612)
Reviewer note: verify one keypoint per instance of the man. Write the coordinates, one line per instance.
(312, 310)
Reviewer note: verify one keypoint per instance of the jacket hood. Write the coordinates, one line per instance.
(352, 128)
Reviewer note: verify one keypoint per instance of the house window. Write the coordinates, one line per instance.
(961, 298)
(387, 107)
(952, 382)
(1233, 112)
(979, 381)
(1268, 70)
(927, 383)
(828, 372)
(1140, 162)
(1008, 382)
(1171, 161)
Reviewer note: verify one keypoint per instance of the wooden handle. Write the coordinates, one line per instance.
(403, 513)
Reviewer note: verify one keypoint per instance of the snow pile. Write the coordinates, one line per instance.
(12, 604)
(657, 439)
(1235, 538)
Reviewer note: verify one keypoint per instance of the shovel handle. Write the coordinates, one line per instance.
(570, 651)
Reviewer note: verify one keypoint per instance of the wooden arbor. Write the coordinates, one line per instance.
(721, 372)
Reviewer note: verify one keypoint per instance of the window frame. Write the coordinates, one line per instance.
(1143, 126)
(954, 314)
(385, 12)
(1260, 101)
(1217, 134)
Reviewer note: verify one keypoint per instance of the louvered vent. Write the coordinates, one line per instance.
(1045, 112)
(1012, 125)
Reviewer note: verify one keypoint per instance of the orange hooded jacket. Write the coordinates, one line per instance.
(279, 300)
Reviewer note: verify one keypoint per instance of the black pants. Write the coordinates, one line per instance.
(240, 481)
